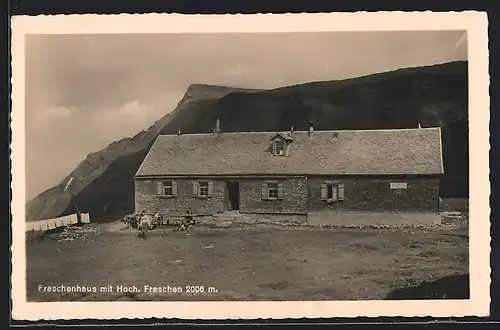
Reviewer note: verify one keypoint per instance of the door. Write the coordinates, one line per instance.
(233, 195)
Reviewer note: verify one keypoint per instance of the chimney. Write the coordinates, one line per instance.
(419, 126)
(179, 132)
(311, 129)
(217, 126)
(292, 129)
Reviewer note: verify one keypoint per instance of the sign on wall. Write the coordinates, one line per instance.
(399, 185)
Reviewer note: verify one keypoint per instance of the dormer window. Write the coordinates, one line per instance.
(281, 144)
(279, 147)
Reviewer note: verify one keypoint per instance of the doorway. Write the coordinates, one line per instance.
(233, 195)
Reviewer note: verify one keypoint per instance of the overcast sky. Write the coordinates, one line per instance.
(86, 91)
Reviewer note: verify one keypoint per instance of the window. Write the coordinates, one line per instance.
(167, 189)
(279, 147)
(332, 192)
(281, 143)
(272, 191)
(203, 189)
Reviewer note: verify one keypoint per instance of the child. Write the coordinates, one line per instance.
(187, 222)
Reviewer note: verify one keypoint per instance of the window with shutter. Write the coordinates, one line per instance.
(280, 191)
(341, 192)
(203, 189)
(264, 192)
(332, 192)
(210, 188)
(272, 190)
(159, 188)
(324, 195)
(167, 188)
(195, 189)
(174, 188)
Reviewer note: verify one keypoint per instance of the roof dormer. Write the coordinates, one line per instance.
(281, 142)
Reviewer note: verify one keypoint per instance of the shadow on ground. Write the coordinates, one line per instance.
(448, 287)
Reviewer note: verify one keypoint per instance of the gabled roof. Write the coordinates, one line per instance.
(284, 135)
(349, 152)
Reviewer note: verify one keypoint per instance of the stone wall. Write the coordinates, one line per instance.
(377, 195)
(300, 196)
(294, 200)
(146, 198)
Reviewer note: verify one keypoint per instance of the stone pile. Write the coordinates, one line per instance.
(72, 233)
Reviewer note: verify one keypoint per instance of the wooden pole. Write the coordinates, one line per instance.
(78, 213)
(72, 200)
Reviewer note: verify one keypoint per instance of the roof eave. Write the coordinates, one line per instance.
(156, 175)
(441, 159)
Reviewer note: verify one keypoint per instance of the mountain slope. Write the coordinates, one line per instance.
(430, 96)
(102, 182)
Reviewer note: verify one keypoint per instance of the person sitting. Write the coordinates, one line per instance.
(189, 218)
(187, 223)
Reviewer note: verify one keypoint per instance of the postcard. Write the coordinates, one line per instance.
(250, 166)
